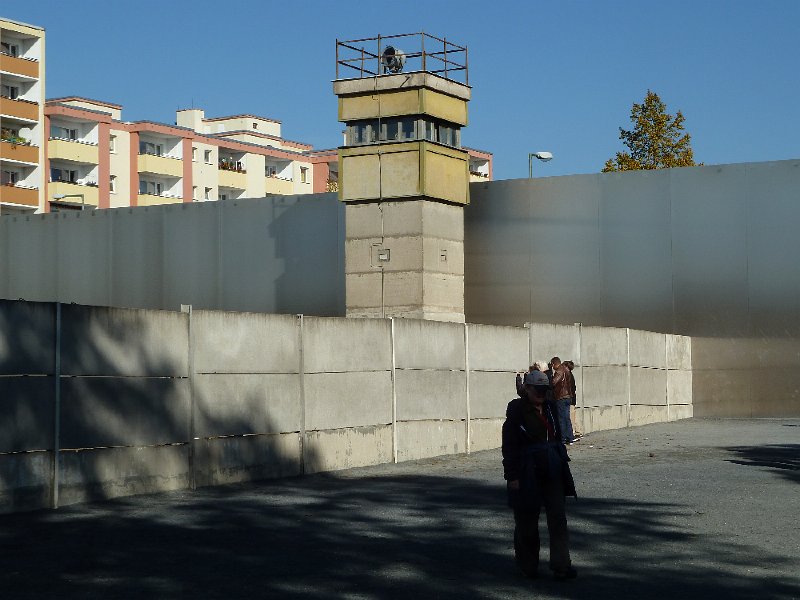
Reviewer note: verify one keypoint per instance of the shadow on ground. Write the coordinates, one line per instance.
(377, 537)
(782, 459)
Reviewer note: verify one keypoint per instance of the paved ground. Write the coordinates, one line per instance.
(696, 509)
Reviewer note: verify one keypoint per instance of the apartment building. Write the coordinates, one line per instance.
(95, 158)
(22, 138)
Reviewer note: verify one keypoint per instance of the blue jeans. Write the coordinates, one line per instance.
(564, 423)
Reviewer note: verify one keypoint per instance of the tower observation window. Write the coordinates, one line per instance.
(403, 129)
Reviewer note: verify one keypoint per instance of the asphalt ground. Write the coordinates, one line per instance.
(693, 509)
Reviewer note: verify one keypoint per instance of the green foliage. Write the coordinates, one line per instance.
(657, 140)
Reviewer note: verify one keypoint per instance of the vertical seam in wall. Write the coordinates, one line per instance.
(747, 296)
(220, 252)
(394, 392)
(580, 363)
(110, 258)
(57, 411)
(466, 377)
(674, 316)
(192, 406)
(301, 368)
(666, 368)
(628, 361)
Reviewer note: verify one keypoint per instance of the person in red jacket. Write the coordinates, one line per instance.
(535, 466)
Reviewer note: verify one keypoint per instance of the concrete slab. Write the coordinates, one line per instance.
(648, 386)
(429, 345)
(104, 473)
(27, 338)
(648, 349)
(26, 413)
(338, 400)
(118, 342)
(422, 439)
(603, 346)
(485, 434)
(605, 386)
(245, 342)
(548, 340)
(367, 342)
(123, 411)
(237, 459)
(25, 479)
(332, 450)
(494, 348)
(243, 404)
(489, 393)
(429, 394)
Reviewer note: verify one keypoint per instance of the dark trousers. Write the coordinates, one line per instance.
(526, 530)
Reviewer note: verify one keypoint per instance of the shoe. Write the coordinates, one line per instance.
(564, 574)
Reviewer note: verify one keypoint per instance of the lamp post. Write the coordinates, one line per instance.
(62, 196)
(542, 156)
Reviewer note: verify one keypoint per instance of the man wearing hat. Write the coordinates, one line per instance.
(535, 466)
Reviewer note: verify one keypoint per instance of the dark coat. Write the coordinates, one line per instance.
(529, 461)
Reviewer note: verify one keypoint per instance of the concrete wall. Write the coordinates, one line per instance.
(276, 255)
(624, 377)
(98, 403)
(707, 252)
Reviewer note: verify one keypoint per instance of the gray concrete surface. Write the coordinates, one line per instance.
(697, 509)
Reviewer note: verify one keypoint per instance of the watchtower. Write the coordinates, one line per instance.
(403, 175)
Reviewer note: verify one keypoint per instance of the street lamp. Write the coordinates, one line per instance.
(542, 156)
(62, 196)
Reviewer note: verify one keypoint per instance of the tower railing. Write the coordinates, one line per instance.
(424, 52)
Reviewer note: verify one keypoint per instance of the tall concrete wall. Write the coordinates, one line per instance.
(282, 254)
(706, 252)
(104, 402)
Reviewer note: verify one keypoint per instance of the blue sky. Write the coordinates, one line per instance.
(558, 75)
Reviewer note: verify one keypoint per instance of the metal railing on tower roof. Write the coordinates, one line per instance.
(406, 52)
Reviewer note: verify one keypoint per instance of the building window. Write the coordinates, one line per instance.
(223, 196)
(112, 184)
(153, 188)
(194, 154)
(63, 133)
(9, 48)
(151, 148)
(63, 175)
(207, 195)
(112, 143)
(255, 125)
(303, 174)
(207, 156)
(9, 91)
(9, 177)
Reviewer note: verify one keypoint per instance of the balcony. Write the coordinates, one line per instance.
(153, 200)
(160, 165)
(277, 185)
(73, 151)
(90, 192)
(21, 109)
(14, 194)
(233, 179)
(19, 66)
(19, 152)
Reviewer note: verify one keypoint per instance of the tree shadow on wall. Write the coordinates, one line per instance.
(125, 410)
(372, 537)
(781, 459)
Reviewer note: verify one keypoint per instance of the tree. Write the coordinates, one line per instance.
(657, 140)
